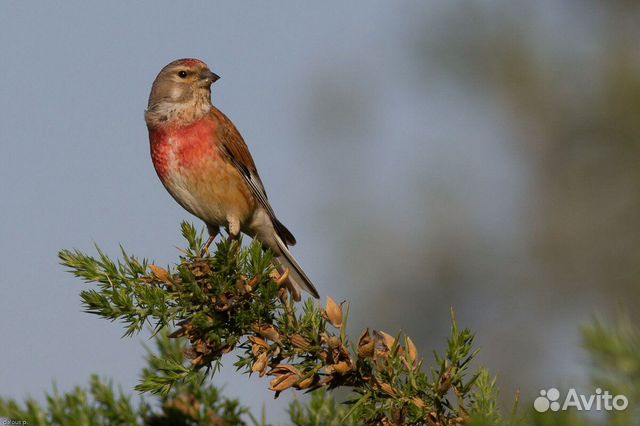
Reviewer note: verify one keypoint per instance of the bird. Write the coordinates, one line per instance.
(205, 164)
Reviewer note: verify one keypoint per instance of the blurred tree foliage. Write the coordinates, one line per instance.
(570, 87)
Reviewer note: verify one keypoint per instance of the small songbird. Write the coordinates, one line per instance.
(206, 166)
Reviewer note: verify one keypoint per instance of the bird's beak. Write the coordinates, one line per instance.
(208, 77)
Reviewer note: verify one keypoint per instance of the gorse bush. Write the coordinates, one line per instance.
(202, 308)
(187, 403)
(234, 300)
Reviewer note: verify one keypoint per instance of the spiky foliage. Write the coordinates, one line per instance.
(614, 352)
(321, 410)
(186, 404)
(233, 299)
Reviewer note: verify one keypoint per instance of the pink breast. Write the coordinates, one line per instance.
(182, 149)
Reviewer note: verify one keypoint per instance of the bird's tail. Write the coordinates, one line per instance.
(297, 278)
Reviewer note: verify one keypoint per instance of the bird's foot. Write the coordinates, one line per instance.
(205, 250)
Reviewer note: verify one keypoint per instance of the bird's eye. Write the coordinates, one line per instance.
(182, 74)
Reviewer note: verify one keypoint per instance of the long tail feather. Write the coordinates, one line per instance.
(296, 274)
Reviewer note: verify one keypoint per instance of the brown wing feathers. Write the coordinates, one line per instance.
(236, 151)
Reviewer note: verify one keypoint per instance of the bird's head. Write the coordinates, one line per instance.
(182, 84)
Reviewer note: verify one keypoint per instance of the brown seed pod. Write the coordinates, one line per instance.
(326, 380)
(161, 273)
(334, 312)
(387, 388)
(386, 339)
(365, 345)
(284, 369)
(258, 341)
(306, 383)
(300, 342)
(342, 367)
(283, 382)
(266, 331)
(260, 366)
(333, 342)
(257, 350)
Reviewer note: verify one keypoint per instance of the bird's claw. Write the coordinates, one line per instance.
(205, 250)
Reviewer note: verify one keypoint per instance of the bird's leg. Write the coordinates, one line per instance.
(233, 227)
(213, 231)
(205, 250)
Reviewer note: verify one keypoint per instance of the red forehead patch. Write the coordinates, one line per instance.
(191, 62)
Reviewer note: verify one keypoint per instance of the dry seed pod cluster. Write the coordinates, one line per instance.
(202, 350)
(277, 354)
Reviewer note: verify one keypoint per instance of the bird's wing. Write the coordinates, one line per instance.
(235, 150)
